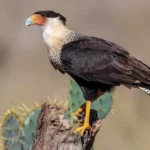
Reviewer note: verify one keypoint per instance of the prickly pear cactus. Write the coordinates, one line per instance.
(19, 135)
(29, 128)
(11, 131)
(103, 104)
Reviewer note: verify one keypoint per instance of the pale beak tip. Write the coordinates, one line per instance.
(29, 22)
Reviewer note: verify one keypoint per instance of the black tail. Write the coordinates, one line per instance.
(141, 73)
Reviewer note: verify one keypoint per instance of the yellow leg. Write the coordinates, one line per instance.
(79, 111)
(86, 125)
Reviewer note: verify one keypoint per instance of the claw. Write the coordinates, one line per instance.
(82, 129)
(86, 125)
(78, 112)
(81, 121)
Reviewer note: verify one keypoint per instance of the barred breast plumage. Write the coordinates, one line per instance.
(55, 48)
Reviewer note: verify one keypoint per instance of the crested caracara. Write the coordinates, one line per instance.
(95, 64)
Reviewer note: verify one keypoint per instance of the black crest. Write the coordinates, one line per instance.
(51, 14)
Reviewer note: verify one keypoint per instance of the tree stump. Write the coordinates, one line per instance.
(55, 133)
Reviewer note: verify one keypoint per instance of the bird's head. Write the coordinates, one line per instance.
(42, 18)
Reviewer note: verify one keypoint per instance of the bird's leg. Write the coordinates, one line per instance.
(82, 107)
(86, 125)
(80, 110)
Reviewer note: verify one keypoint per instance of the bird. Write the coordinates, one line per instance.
(97, 65)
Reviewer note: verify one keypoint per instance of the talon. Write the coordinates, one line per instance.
(82, 129)
(81, 121)
(77, 114)
(86, 125)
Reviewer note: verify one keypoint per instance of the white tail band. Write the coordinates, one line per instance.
(145, 90)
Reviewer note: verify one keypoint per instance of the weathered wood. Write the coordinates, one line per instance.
(55, 133)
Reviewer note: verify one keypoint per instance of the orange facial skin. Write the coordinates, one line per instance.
(38, 19)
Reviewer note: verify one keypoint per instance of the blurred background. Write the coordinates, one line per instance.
(26, 75)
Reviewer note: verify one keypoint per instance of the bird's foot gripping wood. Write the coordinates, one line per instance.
(80, 110)
(86, 125)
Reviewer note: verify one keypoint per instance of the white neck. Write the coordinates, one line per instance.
(54, 32)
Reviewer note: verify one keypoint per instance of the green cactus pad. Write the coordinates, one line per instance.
(29, 128)
(102, 105)
(11, 131)
(19, 135)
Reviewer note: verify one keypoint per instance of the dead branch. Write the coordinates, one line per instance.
(55, 133)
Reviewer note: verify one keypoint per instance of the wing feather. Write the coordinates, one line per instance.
(101, 61)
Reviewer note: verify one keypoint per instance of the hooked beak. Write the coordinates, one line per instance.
(36, 19)
(29, 22)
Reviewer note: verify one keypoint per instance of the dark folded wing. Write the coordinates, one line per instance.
(97, 60)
